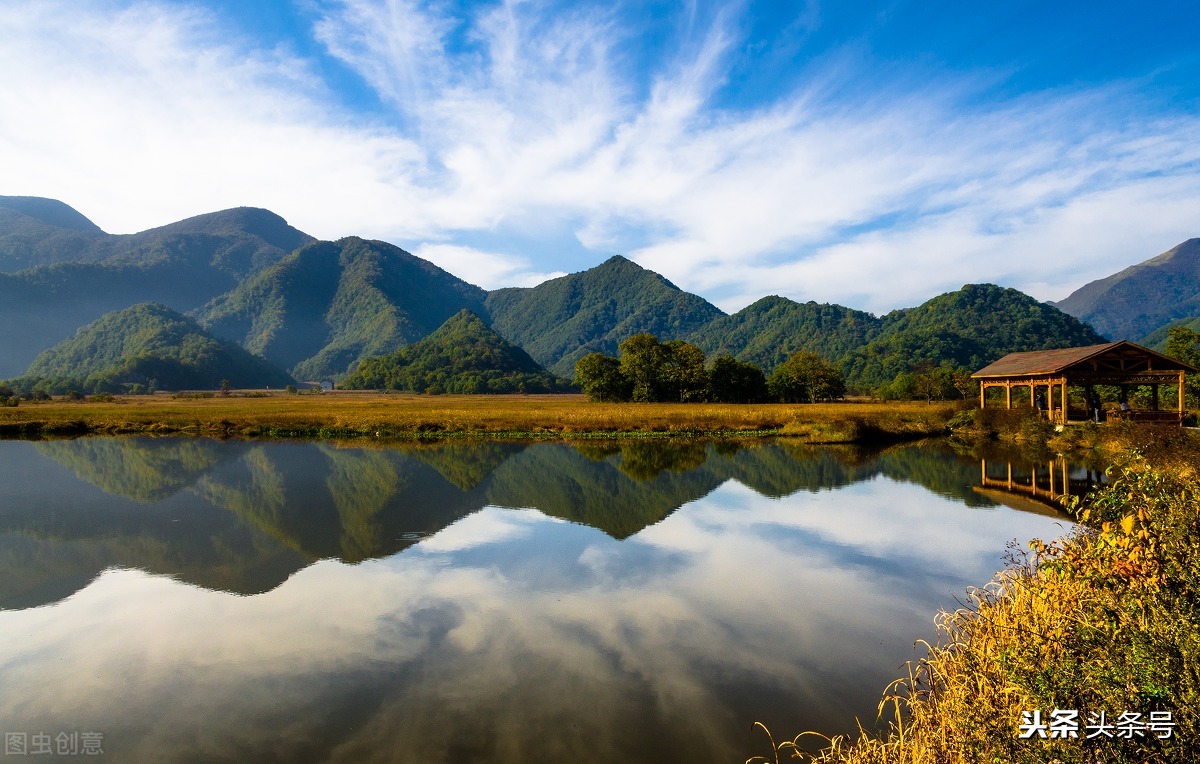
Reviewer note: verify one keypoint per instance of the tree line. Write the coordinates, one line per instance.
(648, 370)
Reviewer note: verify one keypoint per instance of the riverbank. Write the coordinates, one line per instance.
(349, 415)
(1106, 620)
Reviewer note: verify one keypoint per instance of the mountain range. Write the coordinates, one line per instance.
(1144, 298)
(317, 309)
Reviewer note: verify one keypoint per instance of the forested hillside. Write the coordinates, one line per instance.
(150, 346)
(773, 329)
(968, 328)
(36, 231)
(564, 319)
(182, 265)
(327, 306)
(463, 356)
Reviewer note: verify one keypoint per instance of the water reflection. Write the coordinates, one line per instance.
(1046, 485)
(472, 601)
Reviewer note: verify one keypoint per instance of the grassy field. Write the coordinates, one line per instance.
(349, 414)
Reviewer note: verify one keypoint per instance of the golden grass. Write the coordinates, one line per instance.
(341, 414)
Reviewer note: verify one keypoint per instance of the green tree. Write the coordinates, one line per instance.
(601, 379)
(683, 376)
(806, 378)
(1183, 344)
(732, 381)
(642, 361)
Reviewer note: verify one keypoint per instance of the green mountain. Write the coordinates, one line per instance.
(182, 265)
(328, 305)
(36, 231)
(150, 342)
(1135, 302)
(463, 356)
(564, 319)
(771, 330)
(318, 309)
(1157, 339)
(970, 327)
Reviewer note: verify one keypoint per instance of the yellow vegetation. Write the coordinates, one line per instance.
(350, 414)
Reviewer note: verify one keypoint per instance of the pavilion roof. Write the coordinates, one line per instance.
(1038, 362)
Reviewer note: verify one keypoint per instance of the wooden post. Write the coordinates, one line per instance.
(982, 395)
(1181, 407)
(1010, 476)
(1064, 400)
(1050, 467)
(1008, 395)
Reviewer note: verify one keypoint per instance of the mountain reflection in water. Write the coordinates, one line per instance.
(428, 603)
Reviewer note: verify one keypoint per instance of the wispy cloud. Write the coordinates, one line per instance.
(519, 130)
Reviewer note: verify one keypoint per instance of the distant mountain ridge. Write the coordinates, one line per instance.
(318, 309)
(1138, 300)
(37, 232)
(82, 274)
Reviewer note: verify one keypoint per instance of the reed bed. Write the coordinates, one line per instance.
(348, 414)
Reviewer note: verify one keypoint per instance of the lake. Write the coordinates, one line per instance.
(180, 600)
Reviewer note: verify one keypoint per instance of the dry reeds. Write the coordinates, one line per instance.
(349, 414)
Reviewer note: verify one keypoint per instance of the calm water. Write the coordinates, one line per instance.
(191, 600)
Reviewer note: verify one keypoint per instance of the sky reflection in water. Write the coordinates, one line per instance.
(472, 602)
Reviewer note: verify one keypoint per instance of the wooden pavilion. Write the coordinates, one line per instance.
(1123, 364)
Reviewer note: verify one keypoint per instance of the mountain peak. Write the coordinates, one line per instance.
(254, 221)
(618, 260)
(50, 211)
(1136, 301)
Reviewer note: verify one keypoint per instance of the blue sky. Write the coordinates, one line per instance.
(871, 154)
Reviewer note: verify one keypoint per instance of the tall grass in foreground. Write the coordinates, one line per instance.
(1108, 619)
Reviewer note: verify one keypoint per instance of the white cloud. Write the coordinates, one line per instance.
(527, 118)
(489, 270)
